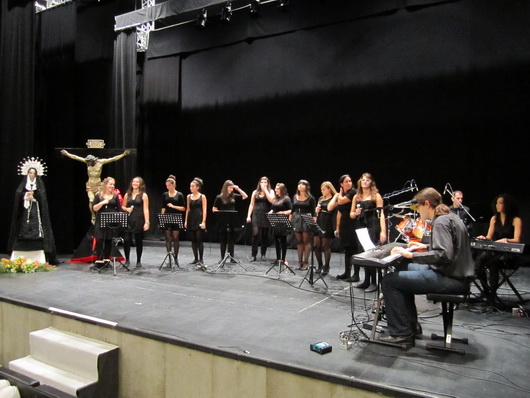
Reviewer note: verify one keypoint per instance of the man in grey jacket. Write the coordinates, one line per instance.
(445, 266)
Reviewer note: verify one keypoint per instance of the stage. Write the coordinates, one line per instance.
(270, 320)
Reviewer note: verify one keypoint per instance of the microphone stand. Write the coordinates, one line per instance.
(449, 189)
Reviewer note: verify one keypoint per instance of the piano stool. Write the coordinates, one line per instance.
(448, 303)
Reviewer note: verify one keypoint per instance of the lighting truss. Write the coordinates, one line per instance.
(43, 5)
(142, 31)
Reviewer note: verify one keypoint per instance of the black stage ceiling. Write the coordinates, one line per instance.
(273, 321)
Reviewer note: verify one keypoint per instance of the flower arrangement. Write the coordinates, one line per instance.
(24, 265)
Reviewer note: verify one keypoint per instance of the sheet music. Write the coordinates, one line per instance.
(364, 238)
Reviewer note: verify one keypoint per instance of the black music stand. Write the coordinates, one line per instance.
(113, 222)
(315, 229)
(230, 219)
(170, 220)
(279, 221)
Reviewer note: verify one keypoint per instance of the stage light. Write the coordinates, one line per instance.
(226, 12)
(254, 8)
(201, 18)
(284, 5)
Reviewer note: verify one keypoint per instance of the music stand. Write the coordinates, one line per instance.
(113, 222)
(170, 220)
(279, 221)
(230, 219)
(315, 229)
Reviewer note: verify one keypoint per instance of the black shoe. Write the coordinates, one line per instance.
(253, 259)
(194, 262)
(138, 264)
(232, 261)
(355, 278)
(325, 271)
(371, 288)
(343, 276)
(417, 330)
(263, 257)
(362, 285)
(398, 340)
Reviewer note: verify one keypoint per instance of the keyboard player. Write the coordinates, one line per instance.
(444, 267)
(506, 227)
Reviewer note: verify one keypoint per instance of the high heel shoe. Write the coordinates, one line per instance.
(362, 285)
(371, 288)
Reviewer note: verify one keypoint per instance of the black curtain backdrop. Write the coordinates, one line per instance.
(17, 84)
(432, 91)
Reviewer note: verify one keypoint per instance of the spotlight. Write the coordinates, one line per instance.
(201, 18)
(284, 5)
(254, 8)
(226, 12)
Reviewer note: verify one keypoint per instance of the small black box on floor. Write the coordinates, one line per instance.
(321, 347)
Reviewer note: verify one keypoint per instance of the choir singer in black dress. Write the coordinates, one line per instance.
(325, 220)
(172, 203)
(303, 203)
(195, 224)
(226, 200)
(346, 226)
(136, 203)
(281, 205)
(260, 205)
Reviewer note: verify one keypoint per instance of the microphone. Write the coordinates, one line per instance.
(406, 205)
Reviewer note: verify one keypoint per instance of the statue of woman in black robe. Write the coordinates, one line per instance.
(31, 233)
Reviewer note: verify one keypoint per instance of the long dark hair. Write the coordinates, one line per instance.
(141, 188)
(225, 196)
(258, 189)
(283, 191)
(511, 208)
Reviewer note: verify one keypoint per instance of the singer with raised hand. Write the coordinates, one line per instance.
(226, 200)
(446, 266)
(346, 226)
(195, 223)
(136, 203)
(364, 210)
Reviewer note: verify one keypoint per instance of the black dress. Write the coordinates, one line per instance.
(136, 217)
(195, 215)
(177, 200)
(325, 219)
(302, 207)
(261, 207)
(112, 207)
(347, 235)
(368, 219)
(283, 204)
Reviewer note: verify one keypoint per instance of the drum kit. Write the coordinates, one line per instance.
(412, 229)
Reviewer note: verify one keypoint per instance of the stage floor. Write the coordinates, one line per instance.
(274, 319)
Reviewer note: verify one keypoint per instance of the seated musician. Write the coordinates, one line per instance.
(444, 267)
(504, 227)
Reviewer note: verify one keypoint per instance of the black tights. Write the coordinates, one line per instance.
(280, 241)
(227, 240)
(259, 234)
(322, 245)
(303, 246)
(196, 243)
(175, 236)
(139, 242)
